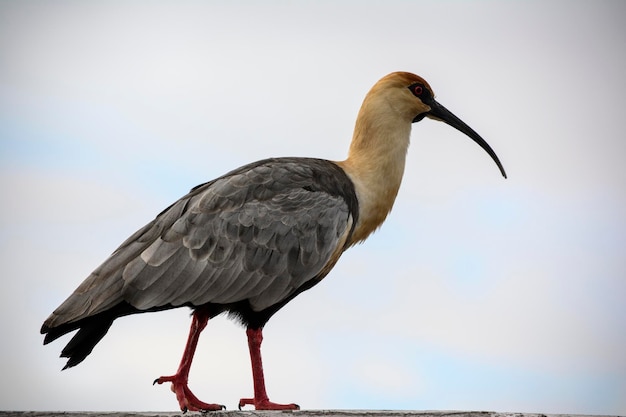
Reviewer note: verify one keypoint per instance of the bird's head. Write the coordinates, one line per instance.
(410, 97)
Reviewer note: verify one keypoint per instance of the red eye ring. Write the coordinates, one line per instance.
(417, 90)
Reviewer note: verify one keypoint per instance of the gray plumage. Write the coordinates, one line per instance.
(258, 235)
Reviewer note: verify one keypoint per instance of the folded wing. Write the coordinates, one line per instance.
(258, 234)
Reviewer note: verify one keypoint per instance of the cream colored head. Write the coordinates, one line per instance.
(392, 98)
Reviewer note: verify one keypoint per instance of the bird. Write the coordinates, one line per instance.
(248, 242)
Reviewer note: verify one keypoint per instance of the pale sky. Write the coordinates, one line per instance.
(478, 293)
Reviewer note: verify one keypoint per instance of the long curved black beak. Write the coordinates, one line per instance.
(439, 112)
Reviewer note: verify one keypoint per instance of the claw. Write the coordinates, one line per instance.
(222, 407)
(186, 399)
(266, 404)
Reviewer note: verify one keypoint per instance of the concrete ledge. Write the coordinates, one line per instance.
(299, 413)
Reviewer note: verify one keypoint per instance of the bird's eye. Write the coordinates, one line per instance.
(420, 91)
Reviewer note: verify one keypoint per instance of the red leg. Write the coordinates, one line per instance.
(185, 397)
(260, 400)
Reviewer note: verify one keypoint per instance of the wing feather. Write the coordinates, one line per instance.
(258, 233)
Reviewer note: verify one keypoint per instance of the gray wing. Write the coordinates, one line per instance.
(257, 234)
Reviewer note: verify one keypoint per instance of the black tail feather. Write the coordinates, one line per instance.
(83, 342)
(90, 331)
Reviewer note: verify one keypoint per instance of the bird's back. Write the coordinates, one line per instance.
(247, 243)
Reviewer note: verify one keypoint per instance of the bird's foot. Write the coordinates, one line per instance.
(186, 399)
(266, 404)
